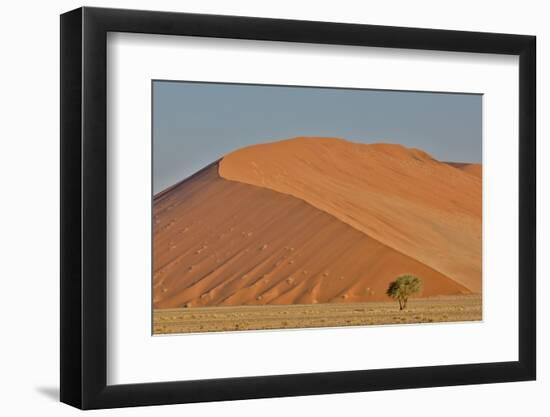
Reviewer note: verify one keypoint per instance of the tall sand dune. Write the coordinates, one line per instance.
(221, 242)
(425, 210)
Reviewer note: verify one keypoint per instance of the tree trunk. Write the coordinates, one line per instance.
(400, 304)
(405, 303)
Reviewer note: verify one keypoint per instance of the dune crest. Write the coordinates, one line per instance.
(402, 198)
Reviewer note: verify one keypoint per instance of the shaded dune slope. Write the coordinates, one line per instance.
(223, 242)
(402, 198)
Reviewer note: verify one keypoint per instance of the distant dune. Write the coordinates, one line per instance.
(474, 169)
(316, 220)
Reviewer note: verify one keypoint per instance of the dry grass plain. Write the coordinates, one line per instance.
(216, 319)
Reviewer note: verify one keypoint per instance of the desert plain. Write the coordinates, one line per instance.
(266, 317)
(309, 232)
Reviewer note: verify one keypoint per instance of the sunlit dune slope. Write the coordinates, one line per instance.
(222, 242)
(402, 198)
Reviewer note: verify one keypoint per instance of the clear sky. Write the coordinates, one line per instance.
(195, 124)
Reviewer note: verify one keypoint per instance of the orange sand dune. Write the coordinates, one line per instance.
(223, 242)
(474, 169)
(402, 198)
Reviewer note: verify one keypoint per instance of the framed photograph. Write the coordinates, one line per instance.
(257, 208)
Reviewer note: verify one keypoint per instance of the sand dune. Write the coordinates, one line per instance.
(427, 211)
(474, 169)
(224, 242)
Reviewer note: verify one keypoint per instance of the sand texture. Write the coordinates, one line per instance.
(315, 221)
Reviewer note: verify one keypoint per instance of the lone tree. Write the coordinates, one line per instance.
(403, 287)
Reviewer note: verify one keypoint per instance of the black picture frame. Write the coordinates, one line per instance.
(84, 207)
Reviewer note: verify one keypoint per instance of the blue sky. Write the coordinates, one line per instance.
(195, 124)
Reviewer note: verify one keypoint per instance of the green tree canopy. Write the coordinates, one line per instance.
(403, 287)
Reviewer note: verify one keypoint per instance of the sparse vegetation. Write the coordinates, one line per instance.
(253, 317)
(403, 287)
